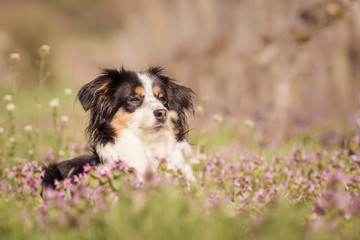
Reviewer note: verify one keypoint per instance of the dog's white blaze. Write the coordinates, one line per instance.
(150, 100)
(140, 147)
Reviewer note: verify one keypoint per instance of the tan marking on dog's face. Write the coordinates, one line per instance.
(156, 90)
(140, 91)
(120, 121)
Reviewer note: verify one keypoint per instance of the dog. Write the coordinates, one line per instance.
(135, 117)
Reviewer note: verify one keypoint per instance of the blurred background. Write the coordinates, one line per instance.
(279, 63)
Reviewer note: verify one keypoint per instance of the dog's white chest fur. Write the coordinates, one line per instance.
(146, 151)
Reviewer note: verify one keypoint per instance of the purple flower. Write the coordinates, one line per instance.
(49, 156)
(121, 165)
(319, 207)
(213, 199)
(86, 167)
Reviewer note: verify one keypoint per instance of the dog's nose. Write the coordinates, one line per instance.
(160, 114)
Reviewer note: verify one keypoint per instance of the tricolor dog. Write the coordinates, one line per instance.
(135, 117)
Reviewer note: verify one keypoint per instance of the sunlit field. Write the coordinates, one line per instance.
(275, 133)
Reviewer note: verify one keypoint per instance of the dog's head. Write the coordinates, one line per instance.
(139, 101)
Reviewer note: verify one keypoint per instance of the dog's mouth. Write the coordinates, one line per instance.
(159, 126)
(155, 128)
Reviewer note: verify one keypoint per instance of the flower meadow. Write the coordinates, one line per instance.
(298, 191)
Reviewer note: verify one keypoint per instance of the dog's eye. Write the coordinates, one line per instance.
(163, 99)
(134, 100)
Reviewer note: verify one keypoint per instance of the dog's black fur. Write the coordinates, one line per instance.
(68, 169)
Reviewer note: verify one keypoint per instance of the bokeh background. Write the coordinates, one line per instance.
(279, 63)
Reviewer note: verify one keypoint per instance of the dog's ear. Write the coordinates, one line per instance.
(181, 98)
(91, 92)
